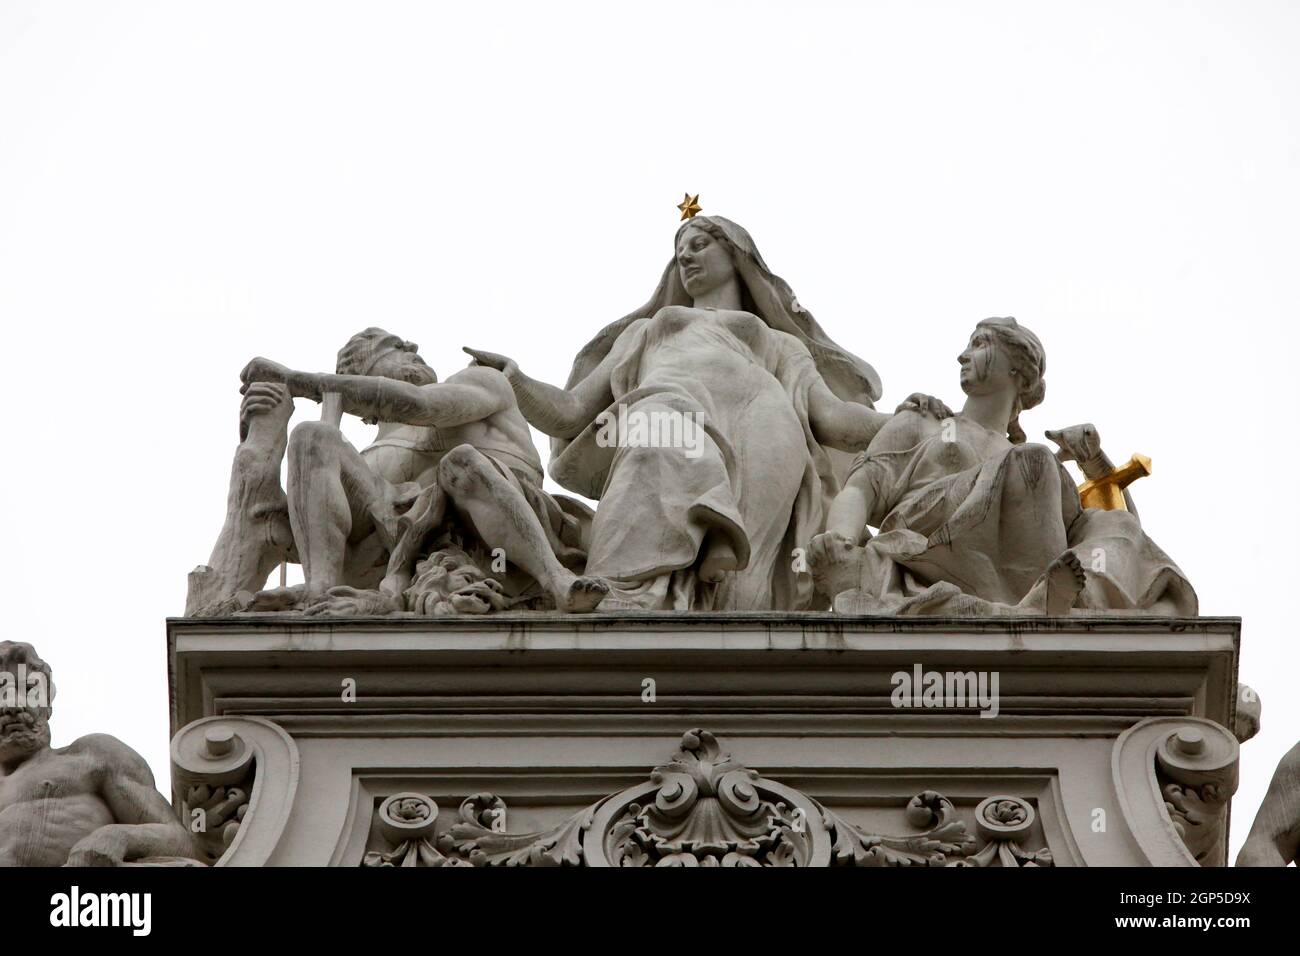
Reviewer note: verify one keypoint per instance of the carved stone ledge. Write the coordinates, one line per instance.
(549, 714)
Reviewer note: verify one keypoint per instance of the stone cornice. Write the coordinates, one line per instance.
(805, 664)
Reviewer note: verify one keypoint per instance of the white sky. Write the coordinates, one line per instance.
(184, 186)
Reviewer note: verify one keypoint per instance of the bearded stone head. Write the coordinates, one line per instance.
(26, 695)
(374, 351)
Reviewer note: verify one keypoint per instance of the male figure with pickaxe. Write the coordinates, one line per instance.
(358, 518)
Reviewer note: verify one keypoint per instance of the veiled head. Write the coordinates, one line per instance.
(704, 259)
(715, 250)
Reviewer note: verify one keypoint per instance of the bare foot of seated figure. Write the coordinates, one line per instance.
(1065, 580)
(583, 595)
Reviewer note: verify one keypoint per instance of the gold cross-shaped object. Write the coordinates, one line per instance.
(1107, 492)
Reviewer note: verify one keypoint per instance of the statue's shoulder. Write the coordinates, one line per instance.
(476, 374)
(634, 331)
(670, 311)
(905, 429)
(786, 342)
(480, 376)
(112, 753)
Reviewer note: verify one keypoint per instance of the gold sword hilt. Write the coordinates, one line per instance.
(1107, 492)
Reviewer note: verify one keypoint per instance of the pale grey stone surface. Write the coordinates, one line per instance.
(1274, 838)
(453, 469)
(1121, 699)
(722, 341)
(710, 423)
(975, 520)
(543, 731)
(92, 803)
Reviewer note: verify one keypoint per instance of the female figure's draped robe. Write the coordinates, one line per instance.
(942, 547)
(760, 479)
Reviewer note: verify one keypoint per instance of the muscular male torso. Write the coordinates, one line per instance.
(49, 802)
(402, 453)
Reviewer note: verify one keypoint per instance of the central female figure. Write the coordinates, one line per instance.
(723, 356)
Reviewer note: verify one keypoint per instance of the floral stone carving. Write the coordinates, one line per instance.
(943, 837)
(407, 820)
(708, 810)
(703, 808)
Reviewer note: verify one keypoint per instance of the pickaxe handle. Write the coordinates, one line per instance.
(331, 408)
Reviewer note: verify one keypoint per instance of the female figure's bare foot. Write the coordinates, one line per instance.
(581, 596)
(719, 558)
(1065, 579)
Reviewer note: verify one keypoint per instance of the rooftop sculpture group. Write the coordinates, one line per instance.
(711, 424)
(738, 462)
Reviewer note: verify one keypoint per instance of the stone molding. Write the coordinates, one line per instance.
(454, 724)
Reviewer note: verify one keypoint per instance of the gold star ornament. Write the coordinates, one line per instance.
(690, 205)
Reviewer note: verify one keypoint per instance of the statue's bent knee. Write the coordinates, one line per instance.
(1032, 466)
(460, 466)
(312, 437)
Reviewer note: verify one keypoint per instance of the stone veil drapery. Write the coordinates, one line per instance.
(664, 508)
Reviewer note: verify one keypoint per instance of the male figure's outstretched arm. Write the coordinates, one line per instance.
(472, 397)
(558, 412)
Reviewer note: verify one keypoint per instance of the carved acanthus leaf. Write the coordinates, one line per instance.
(705, 809)
(558, 846)
(946, 838)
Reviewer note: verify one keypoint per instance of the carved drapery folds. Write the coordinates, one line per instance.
(704, 808)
